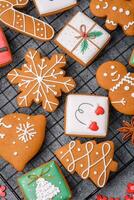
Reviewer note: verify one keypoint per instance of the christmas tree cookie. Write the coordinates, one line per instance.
(21, 137)
(51, 7)
(45, 183)
(89, 160)
(41, 80)
(89, 115)
(82, 39)
(131, 61)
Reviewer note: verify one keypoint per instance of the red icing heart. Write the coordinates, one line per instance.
(93, 126)
(99, 111)
(2, 191)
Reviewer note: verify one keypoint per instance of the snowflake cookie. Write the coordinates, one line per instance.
(89, 115)
(82, 39)
(41, 80)
(113, 76)
(21, 137)
(45, 183)
(49, 7)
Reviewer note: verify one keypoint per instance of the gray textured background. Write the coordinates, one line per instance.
(119, 49)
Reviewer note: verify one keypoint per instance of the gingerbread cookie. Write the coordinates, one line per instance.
(21, 137)
(44, 183)
(82, 39)
(49, 7)
(41, 80)
(131, 61)
(113, 76)
(119, 12)
(89, 115)
(5, 53)
(89, 160)
(24, 23)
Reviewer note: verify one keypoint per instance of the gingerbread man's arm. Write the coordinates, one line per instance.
(110, 24)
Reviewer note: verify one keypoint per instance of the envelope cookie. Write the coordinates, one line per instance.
(11, 17)
(119, 12)
(44, 183)
(41, 80)
(131, 61)
(51, 7)
(89, 160)
(113, 76)
(82, 39)
(5, 53)
(21, 137)
(86, 115)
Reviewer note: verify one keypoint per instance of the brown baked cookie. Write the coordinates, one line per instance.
(21, 137)
(24, 23)
(41, 80)
(119, 12)
(89, 160)
(113, 76)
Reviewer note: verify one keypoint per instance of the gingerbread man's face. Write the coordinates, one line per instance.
(99, 7)
(110, 73)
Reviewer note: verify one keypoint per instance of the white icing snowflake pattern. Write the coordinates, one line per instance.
(41, 80)
(26, 132)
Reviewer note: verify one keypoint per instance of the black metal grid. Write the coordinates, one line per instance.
(119, 49)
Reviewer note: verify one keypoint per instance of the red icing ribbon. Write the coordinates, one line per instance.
(130, 188)
(2, 192)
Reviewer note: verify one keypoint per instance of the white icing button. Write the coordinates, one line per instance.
(100, 0)
(114, 8)
(15, 153)
(59, 182)
(41, 34)
(67, 160)
(126, 88)
(13, 142)
(97, 153)
(127, 12)
(105, 74)
(81, 165)
(95, 172)
(121, 10)
(79, 149)
(98, 7)
(61, 152)
(132, 95)
(112, 67)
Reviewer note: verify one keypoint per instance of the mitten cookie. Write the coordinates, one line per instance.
(24, 23)
(41, 80)
(113, 76)
(21, 137)
(5, 53)
(45, 183)
(119, 12)
(89, 115)
(89, 160)
(49, 7)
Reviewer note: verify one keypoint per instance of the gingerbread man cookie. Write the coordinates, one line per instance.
(41, 80)
(21, 137)
(113, 76)
(119, 12)
(24, 23)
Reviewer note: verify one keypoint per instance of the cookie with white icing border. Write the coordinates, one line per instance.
(113, 76)
(21, 137)
(41, 80)
(89, 115)
(49, 7)
(44, 183)
(119, 12)
(90, 160)
(24, 23)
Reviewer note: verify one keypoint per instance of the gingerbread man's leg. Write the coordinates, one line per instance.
(111, 24)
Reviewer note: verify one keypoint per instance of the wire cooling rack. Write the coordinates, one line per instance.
(119, 49)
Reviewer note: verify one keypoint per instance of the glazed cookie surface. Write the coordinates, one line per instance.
(41, 80)
(49, 7)
(82, 39)
(89, 160)
(119, 12)
(86, 115)
(24, 23)
(44, 183)
(113, 76)
(21, 137)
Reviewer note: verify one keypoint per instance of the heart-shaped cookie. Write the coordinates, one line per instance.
(21, 137)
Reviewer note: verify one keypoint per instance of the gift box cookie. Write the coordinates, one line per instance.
(86, 115)
(44, 183)
(49, 7)
(82, 39)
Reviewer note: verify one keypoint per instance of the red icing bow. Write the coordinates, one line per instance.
(2, 192)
